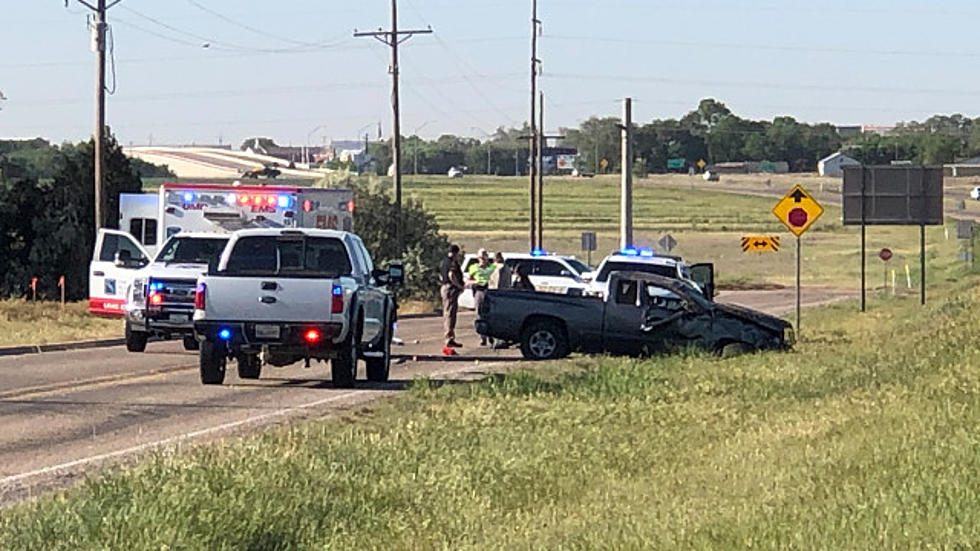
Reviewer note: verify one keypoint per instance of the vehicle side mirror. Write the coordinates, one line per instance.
(394, 275)
(124, 259)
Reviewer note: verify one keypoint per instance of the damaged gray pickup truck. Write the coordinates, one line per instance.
(642, 314)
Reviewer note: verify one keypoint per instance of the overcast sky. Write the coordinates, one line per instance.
(290, 69)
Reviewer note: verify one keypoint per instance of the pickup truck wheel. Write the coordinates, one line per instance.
(378, 368)
(544, 340)
(249, 366)
(212, 363)
(343, 368)
(135, 340)
(733, 349)
(190, 343)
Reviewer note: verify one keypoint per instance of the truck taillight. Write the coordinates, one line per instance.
(337, 300)
(199, 296)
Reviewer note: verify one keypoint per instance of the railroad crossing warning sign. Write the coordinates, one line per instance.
(798, 210)
(701, 163)
(760, 243)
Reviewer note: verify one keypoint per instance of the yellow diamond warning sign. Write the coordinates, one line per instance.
(760, 243)
(798, 210)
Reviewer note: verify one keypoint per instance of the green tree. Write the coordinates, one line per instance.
(375, 222)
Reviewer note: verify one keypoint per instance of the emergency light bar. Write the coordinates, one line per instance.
(631, 251)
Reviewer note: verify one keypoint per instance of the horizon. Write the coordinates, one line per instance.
(213, 71)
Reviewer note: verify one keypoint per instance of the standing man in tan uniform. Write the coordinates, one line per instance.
(451, 280)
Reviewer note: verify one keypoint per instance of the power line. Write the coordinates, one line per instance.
(763, 85)
(766, 47)
(392, 38)
(462, 65)
(255, 30)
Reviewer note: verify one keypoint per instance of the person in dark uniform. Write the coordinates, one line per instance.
(523, 280)
(451, 285)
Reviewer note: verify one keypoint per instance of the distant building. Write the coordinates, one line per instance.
(847, 132)
(877, 129)
(834, 164)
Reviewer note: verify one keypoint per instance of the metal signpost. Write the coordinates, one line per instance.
(760, 243)
(893, 196)
(965, 230)
(798, 210)
(885, 255)
(588, 244)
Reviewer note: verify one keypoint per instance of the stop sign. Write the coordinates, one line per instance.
(885, 254)
(797, 217)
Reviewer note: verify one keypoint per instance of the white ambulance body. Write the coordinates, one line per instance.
(147, 220)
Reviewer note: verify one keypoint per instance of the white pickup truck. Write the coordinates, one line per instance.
(278, 296)
(161, 299)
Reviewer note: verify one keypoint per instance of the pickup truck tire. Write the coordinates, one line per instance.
(379, 368)
(212, 363)
(733, 349)
(135, 340)
(343, 368)
(249, 366)
(544, 340)
(190, 343)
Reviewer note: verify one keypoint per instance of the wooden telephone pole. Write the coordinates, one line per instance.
(392, 38)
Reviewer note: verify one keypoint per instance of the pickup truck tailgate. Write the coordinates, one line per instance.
(269, 299)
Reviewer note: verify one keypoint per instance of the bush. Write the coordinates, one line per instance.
(375, 221)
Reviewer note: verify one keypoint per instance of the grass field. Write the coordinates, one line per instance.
(707, 224)
(32, 323)
(864, 437)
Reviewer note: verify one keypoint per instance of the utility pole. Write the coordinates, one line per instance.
(98, 29)
(392, 38)
(533, 138)
(626, 193)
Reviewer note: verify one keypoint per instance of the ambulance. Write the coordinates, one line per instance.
(148, 220)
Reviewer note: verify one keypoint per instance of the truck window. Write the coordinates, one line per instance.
(111, 243)
(271, 256)
(192, 250)
(626, 292)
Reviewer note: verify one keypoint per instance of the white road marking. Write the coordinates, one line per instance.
(201, 432)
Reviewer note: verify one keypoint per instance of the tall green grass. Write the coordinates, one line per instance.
(864, 437)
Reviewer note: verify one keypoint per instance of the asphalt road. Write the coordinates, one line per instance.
(66, 414)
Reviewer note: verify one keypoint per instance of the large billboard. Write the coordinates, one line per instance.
(893, 195)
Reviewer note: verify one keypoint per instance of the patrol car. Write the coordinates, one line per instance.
(548, 272)
(632, 259)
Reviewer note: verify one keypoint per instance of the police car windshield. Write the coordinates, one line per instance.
(578, 266)
(189, 250)
(646, 268)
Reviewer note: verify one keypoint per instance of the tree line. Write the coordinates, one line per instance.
(47, 227)
(709, 132)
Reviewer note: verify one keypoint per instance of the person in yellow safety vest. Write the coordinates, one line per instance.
(479, 274)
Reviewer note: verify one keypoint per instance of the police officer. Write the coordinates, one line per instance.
(451, 285)
(478, 276)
